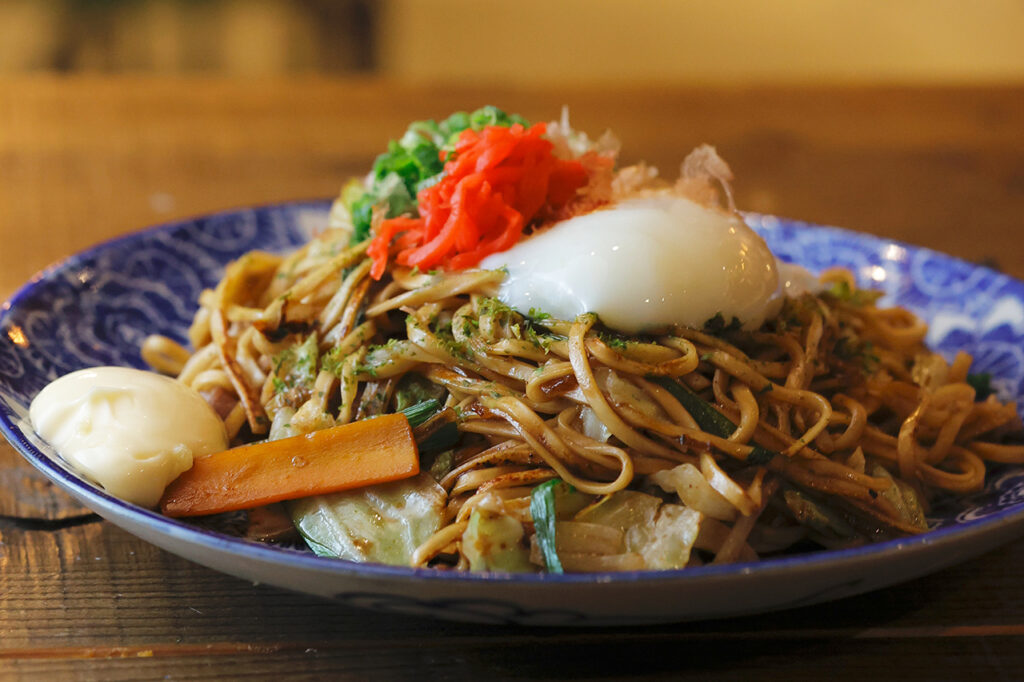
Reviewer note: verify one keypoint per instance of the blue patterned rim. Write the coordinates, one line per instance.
(96, 306)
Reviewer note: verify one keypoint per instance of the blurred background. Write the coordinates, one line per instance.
(535, 41)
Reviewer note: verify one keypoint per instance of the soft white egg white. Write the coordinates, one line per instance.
(645, 264)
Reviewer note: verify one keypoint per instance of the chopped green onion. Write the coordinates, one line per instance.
(853, 295)
(442, 438)
(415, 162)
(421, 412)
(542, 509)
(982, 385)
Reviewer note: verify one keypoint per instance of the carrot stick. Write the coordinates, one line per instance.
(348, 456)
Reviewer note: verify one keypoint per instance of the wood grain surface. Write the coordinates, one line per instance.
(85, 159)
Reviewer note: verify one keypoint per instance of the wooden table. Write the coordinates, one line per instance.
(85, 159)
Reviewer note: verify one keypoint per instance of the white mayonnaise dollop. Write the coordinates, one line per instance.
(645, 264)
(131, 431)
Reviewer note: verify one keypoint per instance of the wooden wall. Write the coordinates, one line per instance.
(528, 41)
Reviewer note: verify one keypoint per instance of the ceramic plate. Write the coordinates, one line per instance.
(95, 308)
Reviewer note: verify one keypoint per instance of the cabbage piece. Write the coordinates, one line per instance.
(623, 510)
(494, 542)
(381, 523)
(669, 541)
(662, 534)
(569, 501)
(580, 562)
(589, 538)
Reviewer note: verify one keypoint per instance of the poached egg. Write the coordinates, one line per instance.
(645, 264)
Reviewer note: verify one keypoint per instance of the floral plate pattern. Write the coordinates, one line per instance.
(96, 307)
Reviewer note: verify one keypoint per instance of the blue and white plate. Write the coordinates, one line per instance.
(95, 308)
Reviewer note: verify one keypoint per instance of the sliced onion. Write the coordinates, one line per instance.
(593, 427)
(695, 491)
(623, 392)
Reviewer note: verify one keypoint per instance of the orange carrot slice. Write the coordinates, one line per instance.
(349, 456)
